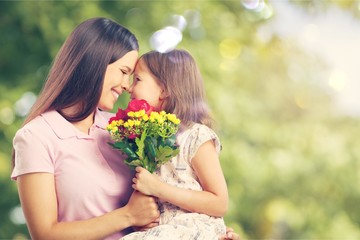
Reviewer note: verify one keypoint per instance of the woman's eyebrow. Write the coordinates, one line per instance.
(128, 69)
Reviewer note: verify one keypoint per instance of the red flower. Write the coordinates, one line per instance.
(132, 136)
(136, 105)
(121, 114)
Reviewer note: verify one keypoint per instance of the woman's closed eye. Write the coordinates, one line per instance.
(125, 72)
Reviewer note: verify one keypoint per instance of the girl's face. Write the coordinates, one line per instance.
(116, 80)
(146, 86)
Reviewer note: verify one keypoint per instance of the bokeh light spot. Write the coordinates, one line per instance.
(24, 104)
(177, 21)
(17, 215)
(165, 39)
(7, 115)
(230, 48)
(251, 4)
(193, 18)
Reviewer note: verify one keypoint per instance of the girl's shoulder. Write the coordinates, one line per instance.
(198, 128)
(197, 134)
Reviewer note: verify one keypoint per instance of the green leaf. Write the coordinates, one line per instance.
(133, 164)
(150, 147)
(126, 148)
(171, 141)
(164, 154)
(140, 144)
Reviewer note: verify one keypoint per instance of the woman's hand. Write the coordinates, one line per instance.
(230, 235)
(143, 209)
(155, 223)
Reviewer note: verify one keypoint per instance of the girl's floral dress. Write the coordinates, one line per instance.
(176, 223)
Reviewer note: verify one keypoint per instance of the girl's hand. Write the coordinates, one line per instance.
(230, 235)
(146, 182)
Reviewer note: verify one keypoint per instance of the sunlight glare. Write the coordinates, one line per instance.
(311, 33)
(337, 80)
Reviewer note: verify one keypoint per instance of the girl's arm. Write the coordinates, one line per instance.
(38, 198)
(212, 201)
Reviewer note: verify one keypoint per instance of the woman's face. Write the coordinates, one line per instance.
(146, 86)
(116, 80)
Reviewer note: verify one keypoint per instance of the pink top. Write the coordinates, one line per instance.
(90, 177)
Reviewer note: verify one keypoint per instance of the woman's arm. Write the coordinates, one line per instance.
(39, 202)
(212, 201)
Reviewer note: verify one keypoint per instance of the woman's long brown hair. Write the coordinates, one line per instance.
(77, 73)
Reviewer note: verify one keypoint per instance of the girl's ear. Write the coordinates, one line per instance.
(164, 94)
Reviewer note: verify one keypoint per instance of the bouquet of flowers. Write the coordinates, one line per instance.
(146, 136)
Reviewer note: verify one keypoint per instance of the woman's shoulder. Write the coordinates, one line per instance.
(36, 124)
(41, 125)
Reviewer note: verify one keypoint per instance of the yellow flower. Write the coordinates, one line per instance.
(130, 122)
(114, 130)
(173, 118)
(131, 114)
(159, 119)
(145, 117)
(142, 112)
(139, 113)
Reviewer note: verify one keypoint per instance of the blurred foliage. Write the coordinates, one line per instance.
(291, 162)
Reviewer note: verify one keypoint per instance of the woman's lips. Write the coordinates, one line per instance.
(115, 94)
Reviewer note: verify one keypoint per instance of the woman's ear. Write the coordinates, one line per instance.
(164, 94)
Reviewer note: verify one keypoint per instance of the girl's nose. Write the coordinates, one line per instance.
(130, 89)
(125, 84)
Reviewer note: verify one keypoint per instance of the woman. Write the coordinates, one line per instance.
(71, 184)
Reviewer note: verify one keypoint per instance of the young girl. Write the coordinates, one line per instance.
(191, 187)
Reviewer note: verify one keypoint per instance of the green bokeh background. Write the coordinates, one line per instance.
(291, 160)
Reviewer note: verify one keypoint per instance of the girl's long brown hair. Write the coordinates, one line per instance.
(77, 73)
(178, 73)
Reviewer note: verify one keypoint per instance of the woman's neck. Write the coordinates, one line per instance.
(83, 125)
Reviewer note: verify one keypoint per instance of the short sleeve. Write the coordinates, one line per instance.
(198, 136)
(31, 154)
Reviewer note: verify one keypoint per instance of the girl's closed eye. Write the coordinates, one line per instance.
(137, 79)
